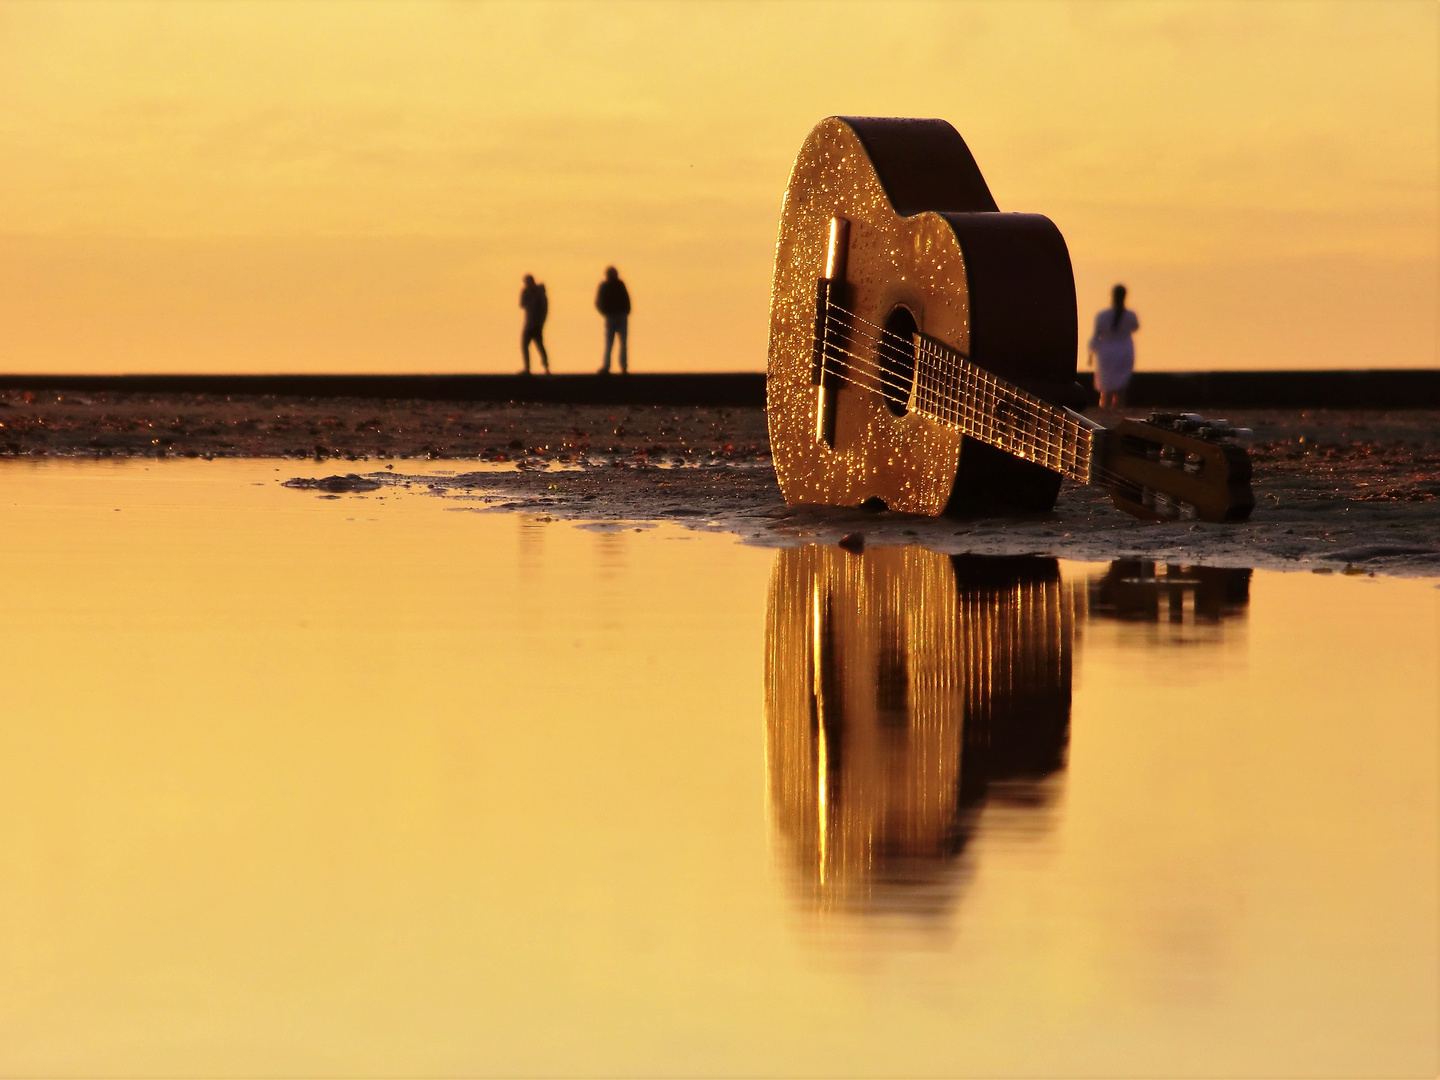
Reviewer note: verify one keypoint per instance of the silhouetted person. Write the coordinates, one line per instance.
(1112, 351)
(537, 306)
(612, 300)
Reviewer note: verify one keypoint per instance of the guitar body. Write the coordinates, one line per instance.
(929, 254)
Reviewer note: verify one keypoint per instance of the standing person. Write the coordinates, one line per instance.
(1111, 350)
(612, 300)
(537, 306)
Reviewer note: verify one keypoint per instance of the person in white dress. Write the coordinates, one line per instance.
(1112, 351)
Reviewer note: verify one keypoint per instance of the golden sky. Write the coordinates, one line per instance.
(359, 187)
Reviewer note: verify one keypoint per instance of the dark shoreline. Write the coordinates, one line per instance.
(1400, 388)
(720, 390)
(1417, 388)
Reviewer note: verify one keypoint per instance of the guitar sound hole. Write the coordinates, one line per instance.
(897, 360)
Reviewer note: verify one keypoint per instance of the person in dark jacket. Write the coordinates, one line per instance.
(537, 306)
(612, 300)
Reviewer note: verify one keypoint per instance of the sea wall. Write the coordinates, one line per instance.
(1416, 388)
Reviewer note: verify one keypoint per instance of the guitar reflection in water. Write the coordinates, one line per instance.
(903, 687)
(907, 691)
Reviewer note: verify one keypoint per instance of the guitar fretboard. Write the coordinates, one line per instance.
(953, 390)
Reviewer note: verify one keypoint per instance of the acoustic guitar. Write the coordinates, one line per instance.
(923, 344)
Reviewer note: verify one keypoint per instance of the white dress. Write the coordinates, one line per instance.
(1114, 350)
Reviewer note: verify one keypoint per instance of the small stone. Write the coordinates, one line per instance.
(853, 542)
(348, 482)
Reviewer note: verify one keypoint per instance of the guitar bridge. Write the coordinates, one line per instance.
(827, 365)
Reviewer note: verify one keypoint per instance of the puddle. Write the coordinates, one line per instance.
(372, 787)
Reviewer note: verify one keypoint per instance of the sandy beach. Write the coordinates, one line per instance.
(356, 429)
(1336, 491)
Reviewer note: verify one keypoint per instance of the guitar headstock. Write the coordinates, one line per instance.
(1176, 466)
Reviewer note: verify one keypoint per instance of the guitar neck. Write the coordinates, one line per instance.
(953, 390)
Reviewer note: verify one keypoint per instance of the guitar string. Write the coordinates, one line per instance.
(1036, 409)
(1039, 412)
(945, 354)
(938, 351)
(899, 338)
(1057, 450)
(942, 351)
(1078, 469)
(1080, 460)
(1035, 406)
(1051, 444)
(1082, 469)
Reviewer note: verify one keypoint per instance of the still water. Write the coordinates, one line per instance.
(376, 786)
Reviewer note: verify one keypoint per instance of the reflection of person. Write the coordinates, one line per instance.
(1112, 351)
(537, 306)
(613, 301)
(1137, 590)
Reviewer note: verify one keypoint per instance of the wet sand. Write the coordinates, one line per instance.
(358, 429)
(1336, 491)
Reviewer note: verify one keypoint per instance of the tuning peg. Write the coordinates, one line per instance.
(1221, 431)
